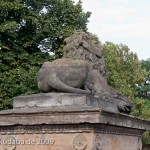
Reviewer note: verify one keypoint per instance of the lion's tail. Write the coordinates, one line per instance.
(55, 83)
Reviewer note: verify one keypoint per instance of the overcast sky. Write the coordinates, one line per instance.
(121, 21)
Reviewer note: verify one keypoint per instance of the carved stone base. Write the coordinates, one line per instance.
(62, 100)
(70, 141)
(82, 129)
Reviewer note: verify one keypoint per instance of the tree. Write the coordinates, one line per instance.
(124, 69)
(142, 105)
(29, 25)
(125, 72)
(143, 89)
(29, 30)
(142, 110)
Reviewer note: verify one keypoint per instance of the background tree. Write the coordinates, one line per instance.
(125, 72)
(142, 110)
(143, 89)
(124, 68)
(142, 104)
(29, 30)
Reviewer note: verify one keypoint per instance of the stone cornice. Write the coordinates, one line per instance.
(72, 116)
(69, 128)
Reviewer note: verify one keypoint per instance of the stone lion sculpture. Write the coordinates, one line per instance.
(81, 70)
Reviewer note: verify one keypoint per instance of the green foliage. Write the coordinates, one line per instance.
(142, 106)
(28, 24)
(18, 75)
(142, 110)
(125, 72)
(29, 30)
(143, 89)
(124, 69)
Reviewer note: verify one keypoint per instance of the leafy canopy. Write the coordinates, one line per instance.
(124, 68)
(29, 30)
(143, 89)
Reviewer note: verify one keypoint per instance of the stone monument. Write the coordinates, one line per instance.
(76, 109)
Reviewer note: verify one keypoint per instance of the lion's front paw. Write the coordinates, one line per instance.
(124, 107)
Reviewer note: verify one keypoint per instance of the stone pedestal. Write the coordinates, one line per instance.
(55, 128)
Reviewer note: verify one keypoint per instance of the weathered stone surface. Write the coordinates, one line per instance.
(64, 75)
(63, 100)
(46, 129)
(70, 116)
(69, 141)
(81, 70)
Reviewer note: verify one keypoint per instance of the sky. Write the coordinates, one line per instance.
(121, 21)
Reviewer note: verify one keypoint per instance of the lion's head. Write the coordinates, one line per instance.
(80, 46)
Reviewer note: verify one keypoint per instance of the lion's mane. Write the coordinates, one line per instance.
(81, 46)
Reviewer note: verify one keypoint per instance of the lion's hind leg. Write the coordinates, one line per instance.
(58, 85)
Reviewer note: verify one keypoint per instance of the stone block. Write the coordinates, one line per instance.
(62, 100)
(69, 129)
